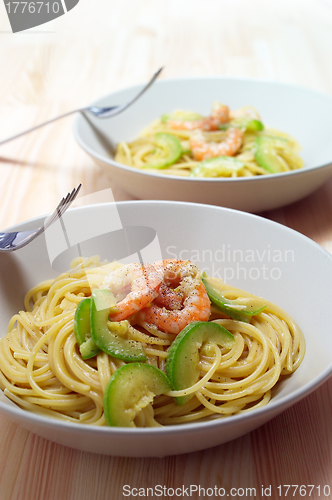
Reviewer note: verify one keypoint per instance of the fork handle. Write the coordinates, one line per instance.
(112, 111)
(42, 125)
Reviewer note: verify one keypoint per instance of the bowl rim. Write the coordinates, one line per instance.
(273, 407)
(259, 178)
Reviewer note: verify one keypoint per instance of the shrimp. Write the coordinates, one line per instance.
(219, 115)
(141, 281)
(172, 271)
(168, 298)
(202, 149)
(196, 303)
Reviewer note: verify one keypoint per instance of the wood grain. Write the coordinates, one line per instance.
(102, 46)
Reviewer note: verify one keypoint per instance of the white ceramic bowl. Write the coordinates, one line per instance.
(284, 267)
(301, 112)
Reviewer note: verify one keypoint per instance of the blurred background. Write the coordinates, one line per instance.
(96, 48)
(105, 45)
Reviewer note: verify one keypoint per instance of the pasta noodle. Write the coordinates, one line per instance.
(145, 152)
(41, 368)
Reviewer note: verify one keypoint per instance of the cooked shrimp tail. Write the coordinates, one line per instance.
(141, 281)
(195, 303)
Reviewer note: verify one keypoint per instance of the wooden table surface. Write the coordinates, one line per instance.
(101, 46)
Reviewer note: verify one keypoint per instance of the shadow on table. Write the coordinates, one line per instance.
(311, 216)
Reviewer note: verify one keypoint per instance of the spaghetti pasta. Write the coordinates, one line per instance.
(42, 370)
(183, 144)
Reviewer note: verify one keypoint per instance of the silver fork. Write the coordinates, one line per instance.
(18, 239)
(99, 112)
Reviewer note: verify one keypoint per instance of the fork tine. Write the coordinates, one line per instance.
(56, 214)
(69, 199)
(62, 207)
(74, 193)
(66, 202)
